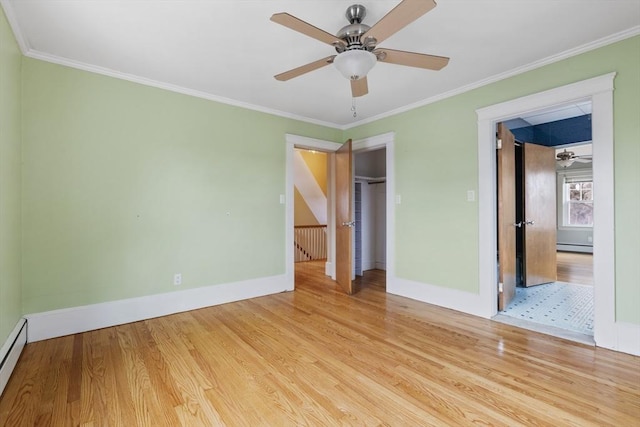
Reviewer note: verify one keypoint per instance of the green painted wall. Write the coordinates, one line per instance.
(302, 213)
(125, 185)
(10, 136)
(437, 230)
(316, 162)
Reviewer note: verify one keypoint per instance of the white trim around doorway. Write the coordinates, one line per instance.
(599, 90)
(293, 142)
(385, 140)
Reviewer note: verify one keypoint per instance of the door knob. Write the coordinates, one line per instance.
(529, 222)
(349, 224)
(518, 224)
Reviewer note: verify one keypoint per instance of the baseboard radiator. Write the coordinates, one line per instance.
(573, 247)
(10, 352)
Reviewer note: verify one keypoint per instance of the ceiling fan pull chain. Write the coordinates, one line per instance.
(353, 107)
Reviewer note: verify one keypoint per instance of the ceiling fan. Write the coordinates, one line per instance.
(567, 158)
(357, 44)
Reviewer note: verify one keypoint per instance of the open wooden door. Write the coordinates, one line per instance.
(539, 176)
(344, 218)
(506, 183)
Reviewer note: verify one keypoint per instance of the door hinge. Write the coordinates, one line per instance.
(498, 144)
(500, 286)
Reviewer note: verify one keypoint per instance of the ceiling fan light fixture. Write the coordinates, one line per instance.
(355, 64)
(565, 163)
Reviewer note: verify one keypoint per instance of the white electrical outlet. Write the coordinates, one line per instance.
(177, 279)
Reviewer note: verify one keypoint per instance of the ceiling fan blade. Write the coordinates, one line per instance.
(287, 75)
(582, 160)
(412, 59)
(359, 87)
(399, 17)
(305, 28)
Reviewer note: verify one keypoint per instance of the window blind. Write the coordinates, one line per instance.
(586, 176)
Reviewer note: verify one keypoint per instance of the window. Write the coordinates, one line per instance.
(577, 199)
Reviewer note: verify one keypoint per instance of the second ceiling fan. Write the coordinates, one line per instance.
(567, 158)
(357, 44)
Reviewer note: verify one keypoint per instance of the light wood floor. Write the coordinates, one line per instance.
(318, 357)
(575, 267)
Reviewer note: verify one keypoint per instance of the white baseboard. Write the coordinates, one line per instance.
(368, 265)
(57, 323)
(329, 270)
(380, 265)
(454, 299)
(10, 352)
(73, 320)
(628, 338)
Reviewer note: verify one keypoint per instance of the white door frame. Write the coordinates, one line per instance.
(387, 141)
(599, 91)
(366, 144)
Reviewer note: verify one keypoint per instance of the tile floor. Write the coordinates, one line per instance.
(561, 305)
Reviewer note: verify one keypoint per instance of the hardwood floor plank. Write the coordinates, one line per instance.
(284, 395)
(144, 398)
(441, 406)
(286, 361)
(364, 357)
(56, 384)
(189, 379)
(290, 362)
(120, 398)
(574, 267)
(318, 357)
(75, 377)
(25, 396)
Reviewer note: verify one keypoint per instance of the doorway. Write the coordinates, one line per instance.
(553, 174)
(385, 141)
(599, 91)
(310, 205)
(370, 211)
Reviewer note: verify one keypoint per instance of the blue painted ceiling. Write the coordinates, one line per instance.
(560, 132)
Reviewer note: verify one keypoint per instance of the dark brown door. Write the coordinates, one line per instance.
(539, 180)
(506, 167)
(344, 218)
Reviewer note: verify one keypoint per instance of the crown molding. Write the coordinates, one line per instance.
(31, 53)
(605, 41)
(171, 87)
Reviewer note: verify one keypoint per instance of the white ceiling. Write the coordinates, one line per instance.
(552, 114)
(558, 113)
(229, 50)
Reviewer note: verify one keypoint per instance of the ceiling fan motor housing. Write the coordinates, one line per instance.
(566, 155)
(351, 34)
(356, 13)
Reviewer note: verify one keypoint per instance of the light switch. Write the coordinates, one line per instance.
(471, 196)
